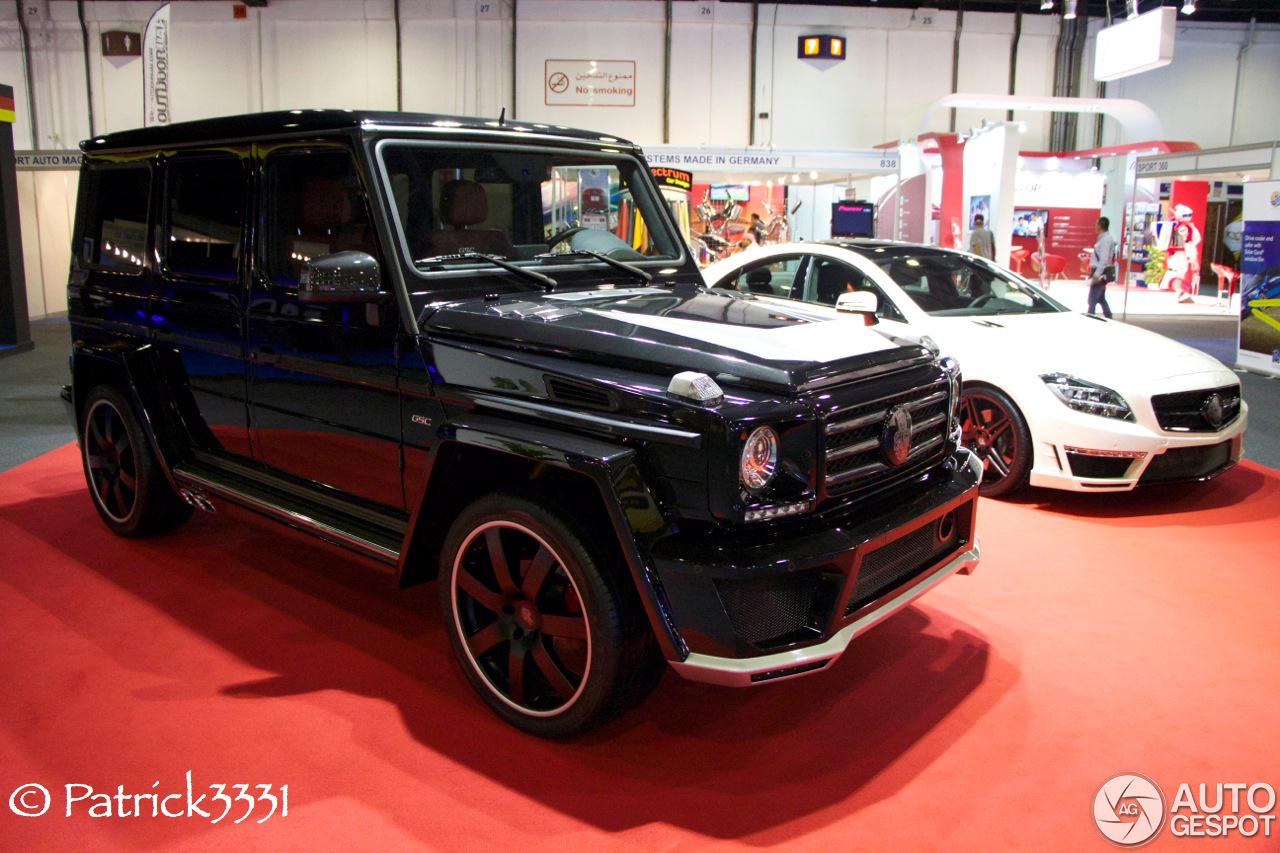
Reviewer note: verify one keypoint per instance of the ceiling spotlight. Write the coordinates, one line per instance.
(1188, 7)
(1069, 8)
(1046, 5)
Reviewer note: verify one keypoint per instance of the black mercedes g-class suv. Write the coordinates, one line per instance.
(400, 333)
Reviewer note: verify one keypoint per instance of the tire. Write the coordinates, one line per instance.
(555, 644)
(994, 429)
(126, 482)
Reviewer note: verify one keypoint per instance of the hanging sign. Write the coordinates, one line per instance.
(155, 69)
(121, 43)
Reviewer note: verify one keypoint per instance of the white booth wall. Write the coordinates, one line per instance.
(457, 58)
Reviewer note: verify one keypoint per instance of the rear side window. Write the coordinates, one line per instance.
(114, 211)
(205, 198)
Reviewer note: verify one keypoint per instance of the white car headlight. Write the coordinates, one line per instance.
(759, 462)
(1088, 397)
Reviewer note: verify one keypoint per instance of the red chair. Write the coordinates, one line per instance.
(1017, 257)
(1054, 266)
(1227, 280)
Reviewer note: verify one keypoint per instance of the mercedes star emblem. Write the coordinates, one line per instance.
(895, 436)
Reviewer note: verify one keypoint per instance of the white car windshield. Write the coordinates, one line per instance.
(945, 284)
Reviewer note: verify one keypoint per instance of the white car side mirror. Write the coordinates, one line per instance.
(859, 302)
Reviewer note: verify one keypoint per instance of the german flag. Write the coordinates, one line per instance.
(6, 103)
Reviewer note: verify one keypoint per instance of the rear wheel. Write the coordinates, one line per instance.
(550, 639)
(128, 487)
(995, 430)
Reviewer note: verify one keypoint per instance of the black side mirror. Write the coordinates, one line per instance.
(341, 277)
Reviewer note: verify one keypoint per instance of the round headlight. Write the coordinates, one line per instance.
(759, 459)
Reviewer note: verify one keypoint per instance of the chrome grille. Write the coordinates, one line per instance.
(853, 455)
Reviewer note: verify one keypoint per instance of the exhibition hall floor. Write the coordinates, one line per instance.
(1100, 634)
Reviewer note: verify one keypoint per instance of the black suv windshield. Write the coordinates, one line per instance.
(451, 203)
(951, 285)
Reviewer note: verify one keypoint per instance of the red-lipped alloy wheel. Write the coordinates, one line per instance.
(993, 428)
(521, 618)
(111, 460)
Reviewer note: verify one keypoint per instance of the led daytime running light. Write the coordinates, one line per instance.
(765, 513)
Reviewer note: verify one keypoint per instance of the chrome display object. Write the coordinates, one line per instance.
(479, 352)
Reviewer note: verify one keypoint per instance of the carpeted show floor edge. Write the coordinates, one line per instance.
(1100, 634)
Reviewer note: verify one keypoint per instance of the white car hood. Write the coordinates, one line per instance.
(1069, 343)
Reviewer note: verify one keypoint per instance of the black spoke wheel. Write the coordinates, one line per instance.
(994, 429)
(128, 488)
(552, 643)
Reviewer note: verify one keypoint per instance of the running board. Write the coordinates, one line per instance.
(380, 542)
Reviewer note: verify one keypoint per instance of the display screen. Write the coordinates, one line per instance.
(853, 219)
(730, 192)
(1029, 223)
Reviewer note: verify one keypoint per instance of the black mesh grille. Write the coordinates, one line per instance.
(1187, 463)
(578, 393)
(1185, 411)
(854, 457)
(769, 610)
(1101, 467)
(890, 565)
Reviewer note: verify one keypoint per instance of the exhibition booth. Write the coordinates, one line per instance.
(246, 660)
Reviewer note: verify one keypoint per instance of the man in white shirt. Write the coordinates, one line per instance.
(1102, 268)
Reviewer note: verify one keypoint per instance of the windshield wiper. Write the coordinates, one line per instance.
(601, 256)
(545, 280)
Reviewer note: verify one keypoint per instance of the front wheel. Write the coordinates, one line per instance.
(551, 641)
(994, 429)
(129, 488)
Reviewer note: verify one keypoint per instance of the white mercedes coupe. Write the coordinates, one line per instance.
(1051, 397)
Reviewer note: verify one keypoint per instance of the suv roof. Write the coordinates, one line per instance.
(293, 122)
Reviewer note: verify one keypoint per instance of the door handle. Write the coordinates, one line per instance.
(264, 355)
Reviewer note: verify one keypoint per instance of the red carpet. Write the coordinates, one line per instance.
(1101, 633)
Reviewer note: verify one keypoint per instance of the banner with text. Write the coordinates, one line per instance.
(1260, 279)
(155, 69)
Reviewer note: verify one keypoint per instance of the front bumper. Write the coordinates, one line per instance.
(1070, 457)
(753, 607)
(744, 672)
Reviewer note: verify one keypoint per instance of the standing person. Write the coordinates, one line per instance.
(756, 229)
(981, 241)
(1102, 268)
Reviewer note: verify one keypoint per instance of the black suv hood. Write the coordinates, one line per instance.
(665, 330)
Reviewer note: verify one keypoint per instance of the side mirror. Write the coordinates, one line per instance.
(341, 277)
(859, 302)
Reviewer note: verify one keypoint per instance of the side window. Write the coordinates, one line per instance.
(315, 206)
(114, 207)
(775, 277)
(834, 278)
(204, 217)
